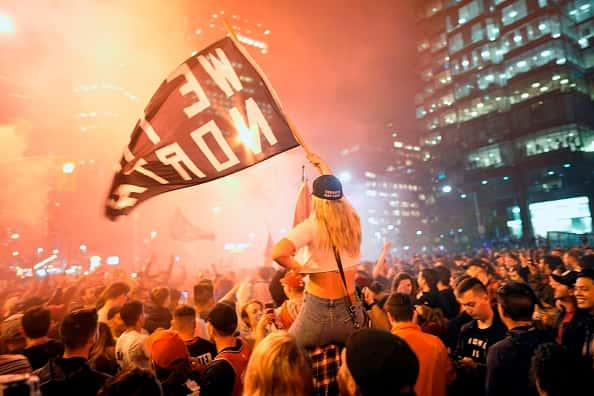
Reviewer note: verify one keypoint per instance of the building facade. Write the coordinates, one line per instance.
(506, 107)
(386, 184)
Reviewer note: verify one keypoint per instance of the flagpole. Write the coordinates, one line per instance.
(292, 126)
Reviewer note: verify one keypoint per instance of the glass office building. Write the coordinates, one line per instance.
(506, 104)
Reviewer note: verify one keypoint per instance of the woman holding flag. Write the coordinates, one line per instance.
(331, 240)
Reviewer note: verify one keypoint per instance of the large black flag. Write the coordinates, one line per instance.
(213, 116)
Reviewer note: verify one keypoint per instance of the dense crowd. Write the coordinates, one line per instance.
(495, 323)
(513, 322)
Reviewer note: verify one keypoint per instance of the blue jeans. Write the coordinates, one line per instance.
(323, 321)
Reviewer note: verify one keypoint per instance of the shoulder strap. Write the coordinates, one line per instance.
(342, 276)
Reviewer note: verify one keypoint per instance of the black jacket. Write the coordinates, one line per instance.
(39, 355)
(508, 362)
(574, 331)
(72, 376)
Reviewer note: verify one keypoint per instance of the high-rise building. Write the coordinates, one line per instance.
(387, 185)
(506, 105)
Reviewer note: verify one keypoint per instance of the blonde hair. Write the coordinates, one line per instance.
(278, 366)
(339, 225)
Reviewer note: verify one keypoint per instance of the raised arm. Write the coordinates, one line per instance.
(319, 163)
(380, 265)
(283, 253)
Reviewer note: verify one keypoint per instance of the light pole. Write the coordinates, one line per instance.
(446, 189)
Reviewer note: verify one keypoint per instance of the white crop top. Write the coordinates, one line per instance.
(316, 260)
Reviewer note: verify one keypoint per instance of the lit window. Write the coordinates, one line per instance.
(470, 11)
(514, 12)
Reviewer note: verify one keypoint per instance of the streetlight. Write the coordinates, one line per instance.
(68, 167)
(477, 214)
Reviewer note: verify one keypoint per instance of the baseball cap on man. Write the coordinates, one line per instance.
(381, 363)
(327, 187)
(567, 278)
(167, 349)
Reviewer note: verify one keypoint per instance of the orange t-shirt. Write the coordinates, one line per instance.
(435, 368)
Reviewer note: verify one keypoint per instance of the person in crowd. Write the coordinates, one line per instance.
(332, 235)
(40, 348)
(476, 337)
(435, 369)
(517, 266)
(566, 319)
(203, 303)
(293, 287)
(572, 258)
(405, 283)
(115, 294)
(587, 261)
(250, 313)
(276, 288)
(428, 293)
(102, 356)
(224, 375)
(115, 322)
(377, 315)
(170, 361)
(88, 297)
(451, 307)
(455, 324)
(381, 270)
(71, 373)
(431, 319)
(133, 382)
(157, 313)
(478, 269)
(508, 361)
(515, 276)
(131, 345)
(553, 371)
(14, 364)
(549, 264)
(184, 323)
(278, 366)
(584, 295)
(256, 288)
(140, 293)
(376, 362)
(13, 339)
(501, 273)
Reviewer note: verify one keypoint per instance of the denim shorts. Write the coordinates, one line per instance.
(322, 321)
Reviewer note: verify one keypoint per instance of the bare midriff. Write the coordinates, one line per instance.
(329, 284)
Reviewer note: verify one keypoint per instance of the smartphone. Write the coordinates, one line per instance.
(269, 307)
(183, 297)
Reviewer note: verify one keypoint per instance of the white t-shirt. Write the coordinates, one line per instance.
(315, 260)
(131, 350)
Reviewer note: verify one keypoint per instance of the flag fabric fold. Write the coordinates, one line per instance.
(214, 115)
(303, 205)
